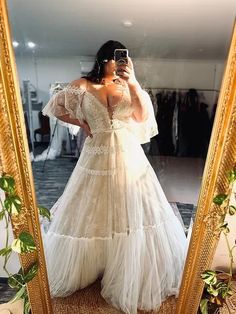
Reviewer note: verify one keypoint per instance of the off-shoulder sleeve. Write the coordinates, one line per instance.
(147, 129)
(67, 101)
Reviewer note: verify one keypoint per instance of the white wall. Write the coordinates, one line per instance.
(45, 71)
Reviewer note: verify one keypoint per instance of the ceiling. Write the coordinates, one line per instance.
(174, 29)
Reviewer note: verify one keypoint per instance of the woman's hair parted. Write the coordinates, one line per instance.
(104, 54)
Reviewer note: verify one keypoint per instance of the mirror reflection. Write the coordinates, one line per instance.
(118, 150)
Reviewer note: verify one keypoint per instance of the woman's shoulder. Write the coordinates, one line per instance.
(79, 83)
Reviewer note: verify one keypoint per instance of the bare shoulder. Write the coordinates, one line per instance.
(82, 82)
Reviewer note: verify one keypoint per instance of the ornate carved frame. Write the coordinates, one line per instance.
(14, 160)
(221, 159)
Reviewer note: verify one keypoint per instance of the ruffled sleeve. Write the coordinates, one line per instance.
(147, 129)
(67, 101)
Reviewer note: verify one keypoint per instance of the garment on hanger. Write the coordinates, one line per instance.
(180, 116)
(194, 126)
(166, 103)
(59, 131)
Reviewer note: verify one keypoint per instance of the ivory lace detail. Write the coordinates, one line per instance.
(100, 150)
(113, 219)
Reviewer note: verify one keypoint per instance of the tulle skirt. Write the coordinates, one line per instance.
(113, 221)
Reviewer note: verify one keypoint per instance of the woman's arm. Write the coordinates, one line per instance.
(137, 100)
(136, 93)
(66, 118)
(84, 125)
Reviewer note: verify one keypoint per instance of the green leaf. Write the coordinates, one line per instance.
(7, 184)
(2, 214)
(18, 295)
(31, 273)
(212, 291)
(16, 281)
(224, 227)
(226, 293)
(232, 176)
(208, 273)
(232, 210)
(209, 277)
(26, 307)
(28, 240)
(219, 199)
(44, 212)
(24, 244)
(6, 251)
(221, 285)
(204, 306)
(13, 204)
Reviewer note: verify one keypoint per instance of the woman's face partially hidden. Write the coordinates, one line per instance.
(110, 68)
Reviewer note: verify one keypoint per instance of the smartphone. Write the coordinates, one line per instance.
(121, 56)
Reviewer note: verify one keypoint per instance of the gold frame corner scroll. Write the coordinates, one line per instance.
(15, 160)
(221, 159)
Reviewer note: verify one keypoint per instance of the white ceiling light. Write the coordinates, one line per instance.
(127, 23)
(15, 43)
(31, 45)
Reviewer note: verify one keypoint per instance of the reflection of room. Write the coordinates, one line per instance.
(181, 68)
(184, 89)
(158, 76)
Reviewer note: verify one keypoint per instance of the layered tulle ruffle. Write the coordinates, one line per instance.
(114, 222)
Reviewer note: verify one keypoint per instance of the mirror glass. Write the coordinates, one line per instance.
(113, 200)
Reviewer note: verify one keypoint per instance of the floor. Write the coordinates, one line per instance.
(89, 301)
(180, 177)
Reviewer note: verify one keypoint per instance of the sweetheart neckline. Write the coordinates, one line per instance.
(106, 108)
(101, 103)
(94, 96)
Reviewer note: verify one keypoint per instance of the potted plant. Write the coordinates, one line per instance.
(219, 284)
(23, 244)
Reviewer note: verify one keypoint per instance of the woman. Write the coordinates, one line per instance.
(113, 219)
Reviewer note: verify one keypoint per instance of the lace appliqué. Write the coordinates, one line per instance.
(102, 150)
(66, 101)
(98, 172)
(74, 90)
(129, 231)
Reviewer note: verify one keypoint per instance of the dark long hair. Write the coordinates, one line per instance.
(104, 54)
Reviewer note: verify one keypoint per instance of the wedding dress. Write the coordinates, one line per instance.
(113, 220)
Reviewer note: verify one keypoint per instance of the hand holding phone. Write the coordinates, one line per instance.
(121, 56)
(124, 66)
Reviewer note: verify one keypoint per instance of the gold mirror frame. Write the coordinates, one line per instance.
(15, 160)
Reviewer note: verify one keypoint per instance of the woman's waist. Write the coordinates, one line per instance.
(111, 140)
(106, 130)
(112, 126)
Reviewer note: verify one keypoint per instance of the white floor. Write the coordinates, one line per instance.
(180, 177)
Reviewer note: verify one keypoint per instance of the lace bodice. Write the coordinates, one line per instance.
(84, 105)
